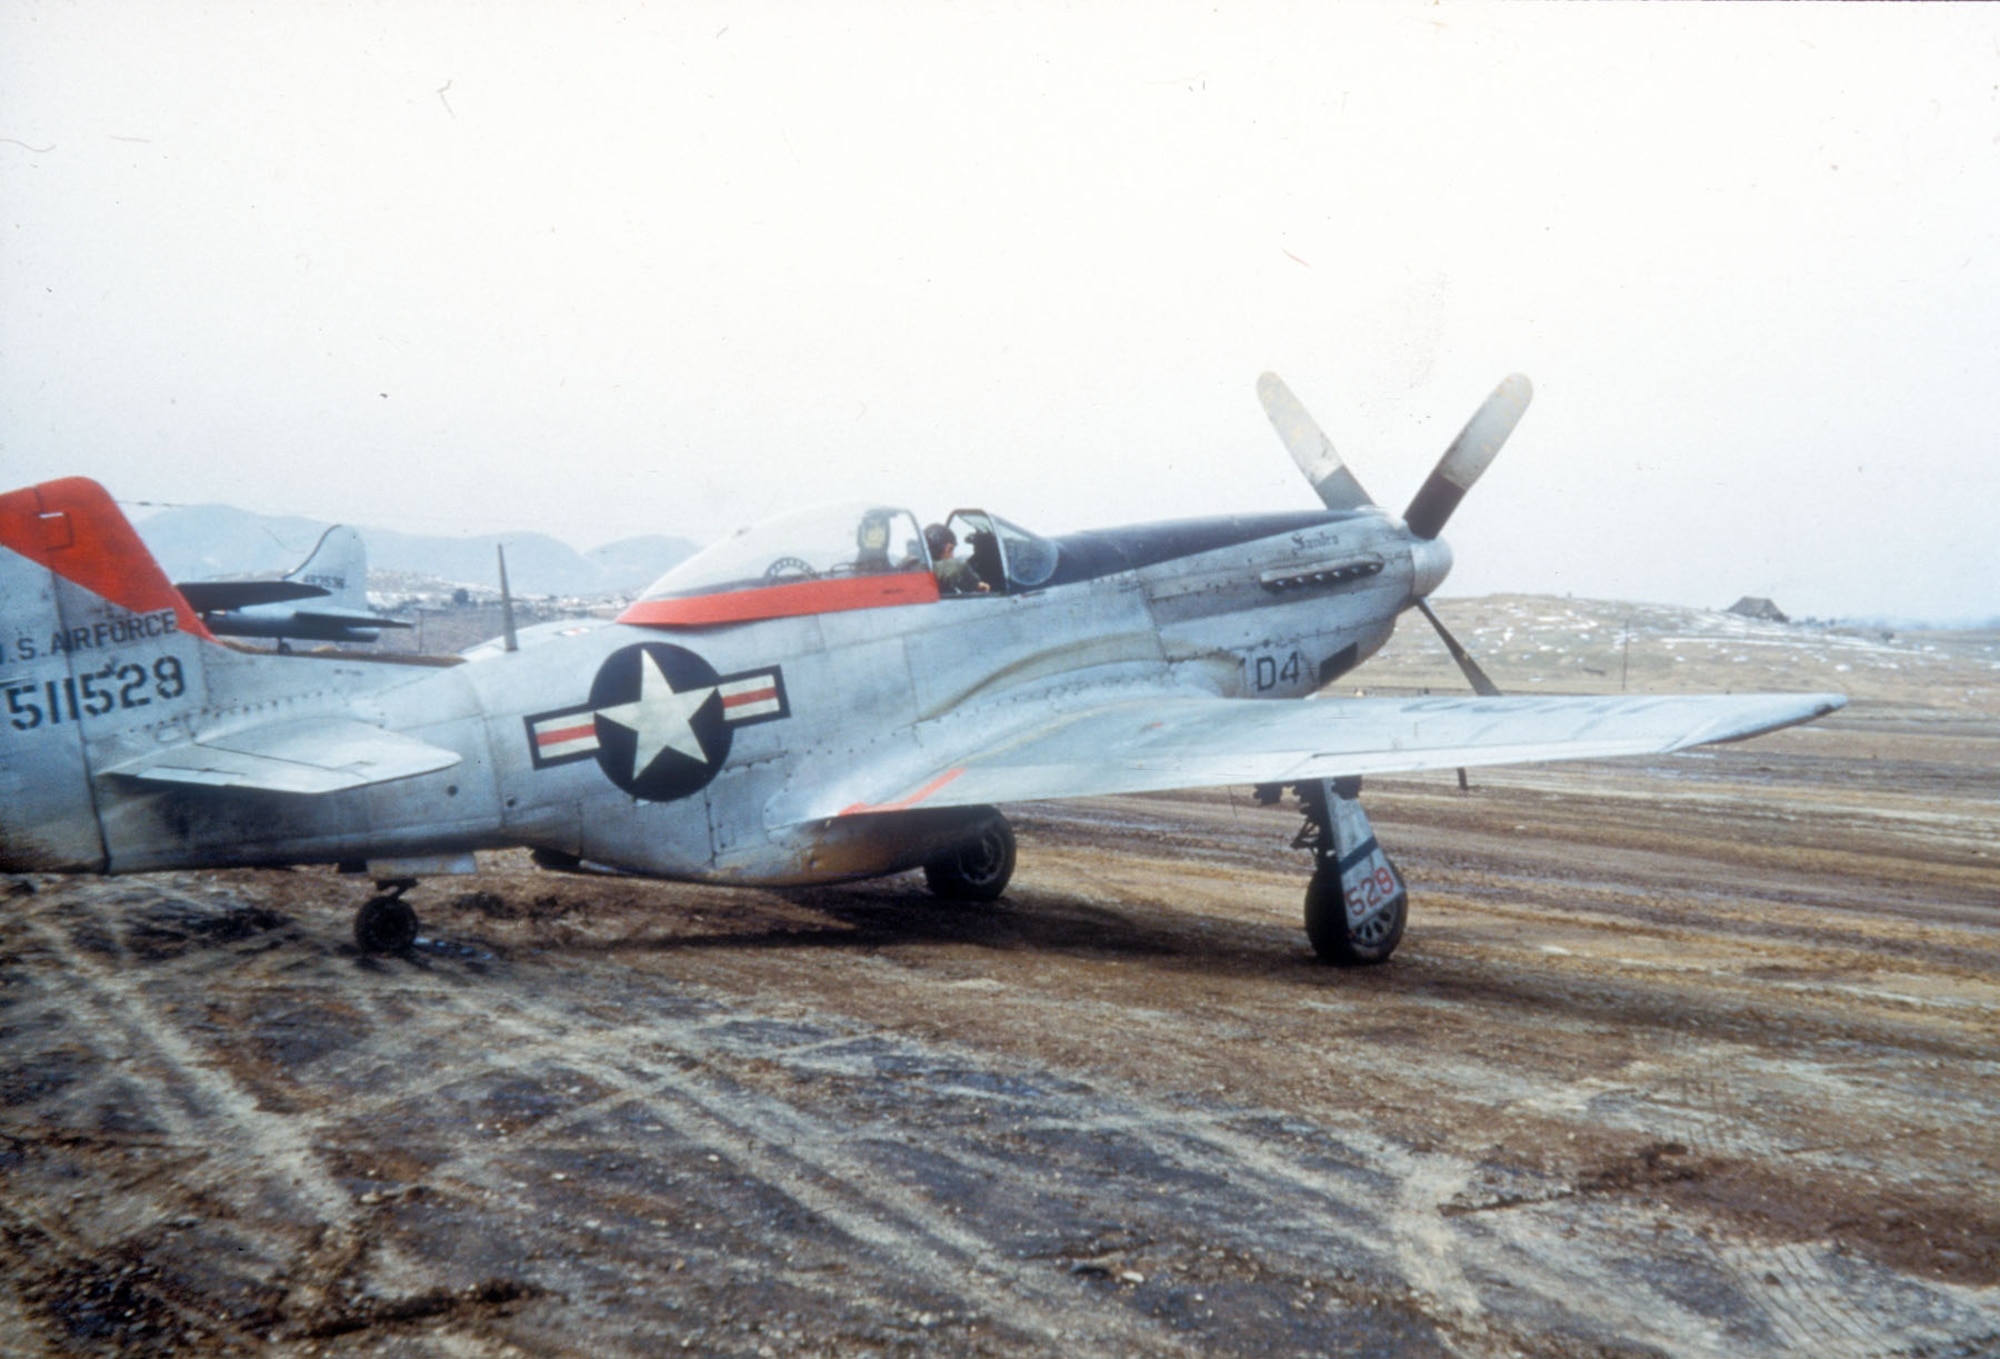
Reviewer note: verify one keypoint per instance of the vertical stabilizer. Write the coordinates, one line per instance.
(92, 634)
(73, 528)
(338, 564)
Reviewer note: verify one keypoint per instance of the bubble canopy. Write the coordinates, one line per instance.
(821, 543)
(830, 558)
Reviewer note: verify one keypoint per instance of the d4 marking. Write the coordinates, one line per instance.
(1278, 672)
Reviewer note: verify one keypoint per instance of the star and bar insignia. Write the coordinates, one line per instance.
(659, 722)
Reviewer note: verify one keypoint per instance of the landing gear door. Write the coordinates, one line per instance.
(1369, 883)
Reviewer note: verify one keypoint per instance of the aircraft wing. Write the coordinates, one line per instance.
(311, 755)
(211, 596)
(1165, 742)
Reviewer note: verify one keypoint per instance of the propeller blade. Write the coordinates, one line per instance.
(1470, 454)
(1481, 685)
(1310, 449)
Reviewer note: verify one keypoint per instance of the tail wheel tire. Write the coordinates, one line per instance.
(977, 870)
(385, 925)
(1335, 941)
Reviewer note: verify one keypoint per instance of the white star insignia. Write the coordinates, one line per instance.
(659, 717)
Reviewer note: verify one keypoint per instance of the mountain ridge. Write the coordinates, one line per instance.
(197, 542)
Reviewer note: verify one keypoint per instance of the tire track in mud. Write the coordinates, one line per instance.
(1698, 1093)
(1702, 1110)
(265, 1195)
(1400, 1239)
(830, 1170)
(782, 1146)
(204, 1105)
(800, 1157)
(889, 1146)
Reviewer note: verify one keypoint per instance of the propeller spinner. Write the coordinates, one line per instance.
(1470, 454)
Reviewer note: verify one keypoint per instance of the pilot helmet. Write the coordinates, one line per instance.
(939, 540)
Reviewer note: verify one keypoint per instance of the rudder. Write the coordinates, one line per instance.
(94, 635)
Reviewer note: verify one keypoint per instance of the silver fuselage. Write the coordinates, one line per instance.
(1266, 614)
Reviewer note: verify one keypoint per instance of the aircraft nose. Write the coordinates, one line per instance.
(1430, 563)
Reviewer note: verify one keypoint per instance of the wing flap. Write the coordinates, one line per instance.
(1158, 744)
(311, 755)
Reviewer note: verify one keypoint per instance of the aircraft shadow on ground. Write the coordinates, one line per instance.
(868, 916)
(160, 926)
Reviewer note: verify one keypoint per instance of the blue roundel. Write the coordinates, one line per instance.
(661, 734)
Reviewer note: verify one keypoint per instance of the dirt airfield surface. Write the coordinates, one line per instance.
(1691, 1056)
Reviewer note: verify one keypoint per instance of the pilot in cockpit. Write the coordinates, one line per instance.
(872, 542)
(955, 575)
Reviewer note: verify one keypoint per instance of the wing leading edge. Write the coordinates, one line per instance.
(1161, 743)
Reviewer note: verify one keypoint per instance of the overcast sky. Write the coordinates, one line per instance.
(610, 269)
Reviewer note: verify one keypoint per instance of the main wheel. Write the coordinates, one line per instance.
(1335, 941)
(977, 870)
(385, 925)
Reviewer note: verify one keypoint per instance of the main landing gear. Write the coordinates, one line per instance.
(387, 923)
(978, 868)
(1357, 902)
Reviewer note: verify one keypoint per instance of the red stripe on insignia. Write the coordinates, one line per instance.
(767, 694)
(554, 735)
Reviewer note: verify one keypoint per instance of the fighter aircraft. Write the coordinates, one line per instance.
(334, 575)
(800, 703)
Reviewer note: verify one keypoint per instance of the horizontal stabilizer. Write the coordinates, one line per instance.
(311, 755)
(1156, 744)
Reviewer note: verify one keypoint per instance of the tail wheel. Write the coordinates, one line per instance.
(1345, 945)
(977, 870)
(385, 925)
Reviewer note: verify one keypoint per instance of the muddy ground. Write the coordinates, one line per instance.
(1691, 1056)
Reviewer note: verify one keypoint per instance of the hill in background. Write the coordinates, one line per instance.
(200, 542)
(1531, 644)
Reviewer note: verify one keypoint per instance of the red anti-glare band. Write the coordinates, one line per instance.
(792, 600)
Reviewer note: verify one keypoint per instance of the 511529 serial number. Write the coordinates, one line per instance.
(74, 697)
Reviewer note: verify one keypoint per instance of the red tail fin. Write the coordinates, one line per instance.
(73, 528)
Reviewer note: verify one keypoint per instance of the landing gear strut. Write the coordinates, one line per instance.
(387, 923)
(1357, 903)
(978, 869)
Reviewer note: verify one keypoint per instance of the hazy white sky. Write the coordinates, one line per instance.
(606, 269)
